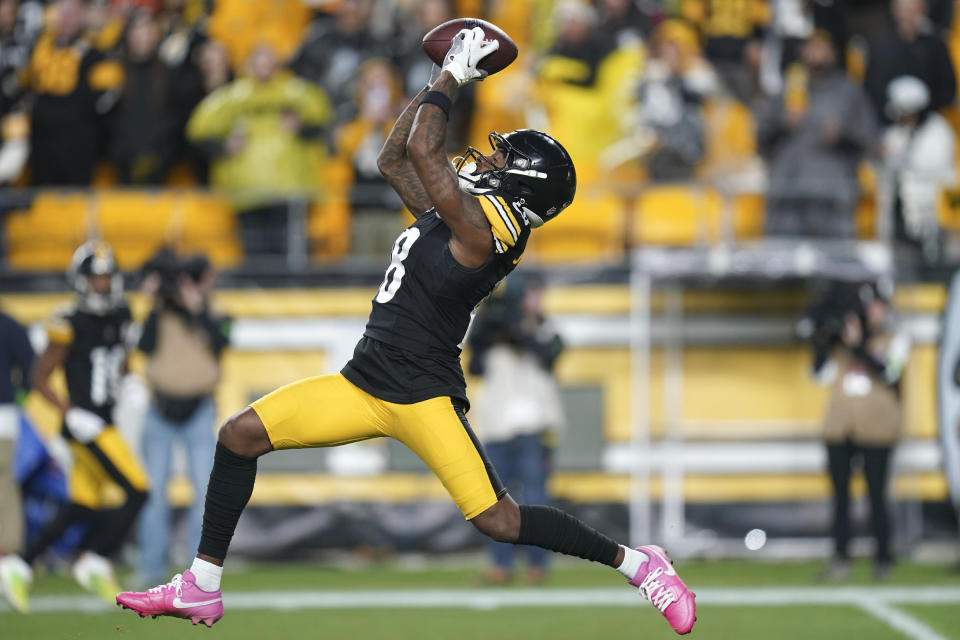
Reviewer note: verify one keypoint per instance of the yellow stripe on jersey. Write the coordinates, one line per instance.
(505, 226)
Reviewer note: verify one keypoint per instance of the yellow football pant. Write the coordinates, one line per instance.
(106, 459)
(326, 411)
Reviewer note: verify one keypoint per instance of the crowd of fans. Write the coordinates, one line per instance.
(187, 90)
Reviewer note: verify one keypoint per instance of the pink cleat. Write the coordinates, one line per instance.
(659, 583)
(179, 598)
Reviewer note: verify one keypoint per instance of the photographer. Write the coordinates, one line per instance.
(518, 410)
(861, 354)
(182, 341)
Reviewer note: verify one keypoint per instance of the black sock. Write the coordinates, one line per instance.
(231, 483)
(556, 530)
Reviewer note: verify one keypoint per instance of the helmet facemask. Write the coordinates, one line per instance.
(90, 260)
(499, 180)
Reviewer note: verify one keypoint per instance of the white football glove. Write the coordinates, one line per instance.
(83, 425)
(466, 51)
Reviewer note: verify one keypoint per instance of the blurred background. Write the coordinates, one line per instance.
(747, 293)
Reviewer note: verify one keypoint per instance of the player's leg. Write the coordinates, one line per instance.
(316, 412)
(123, 468)
(83, 499)
(438, 432)
(109, 458)
(534, 467)
(501, 456)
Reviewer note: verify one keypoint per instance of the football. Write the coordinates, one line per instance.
(437, 43)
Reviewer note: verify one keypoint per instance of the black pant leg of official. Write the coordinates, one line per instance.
(876, 468)
(839, 457)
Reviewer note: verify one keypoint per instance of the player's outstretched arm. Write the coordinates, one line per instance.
(396, 166)
(471, 241)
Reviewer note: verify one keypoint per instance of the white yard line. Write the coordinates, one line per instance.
(900, 620)
(863, 597)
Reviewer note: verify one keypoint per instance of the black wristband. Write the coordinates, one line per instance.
(438, 99)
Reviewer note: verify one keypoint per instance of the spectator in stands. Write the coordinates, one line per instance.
(912, 49)
(627, 20)
(813, 136)
(214, 66)
(183, 341)
(416, 68)
(334, 49)
(375, 220)
(148, 119)
(863, 418)
(16, 359)
(586, 86)
(674, 83)
(16, 40)
(919, 150)
(263, 133)
(73, 85)
(519, 412)
(732, 32)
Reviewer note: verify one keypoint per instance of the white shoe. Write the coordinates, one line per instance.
(95, 574)
(16, 576)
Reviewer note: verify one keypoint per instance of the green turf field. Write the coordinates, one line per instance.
(740, 601)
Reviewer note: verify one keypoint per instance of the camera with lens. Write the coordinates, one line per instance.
(170, 269)
(824, 321)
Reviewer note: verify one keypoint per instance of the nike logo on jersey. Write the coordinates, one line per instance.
(180, 604)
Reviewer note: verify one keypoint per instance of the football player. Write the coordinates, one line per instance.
(88, 339)
(405, 379)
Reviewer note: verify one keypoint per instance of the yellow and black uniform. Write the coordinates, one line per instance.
(405, 380)
(93, 369)
(94, 365)
(68, 79)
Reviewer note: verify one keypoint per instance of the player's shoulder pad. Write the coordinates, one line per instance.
(60, 324)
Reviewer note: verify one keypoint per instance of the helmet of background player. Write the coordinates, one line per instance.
(537, 176)
(95, 258)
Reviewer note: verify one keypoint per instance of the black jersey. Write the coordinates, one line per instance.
(411, 347)
(96, 357)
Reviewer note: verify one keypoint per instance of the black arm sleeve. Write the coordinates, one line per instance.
(148, 337)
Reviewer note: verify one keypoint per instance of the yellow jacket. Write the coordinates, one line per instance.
(273, 161)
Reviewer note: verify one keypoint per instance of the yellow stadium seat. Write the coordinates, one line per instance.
(590, 229)
(207, 224)
(865, 221)
(948, 209)
(731, 137)
(43, 237)
(677, 215)
(748, 215)
(135, 223)
(328, 228)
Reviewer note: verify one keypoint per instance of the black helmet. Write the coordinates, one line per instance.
(538, 175)
(95, 258)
